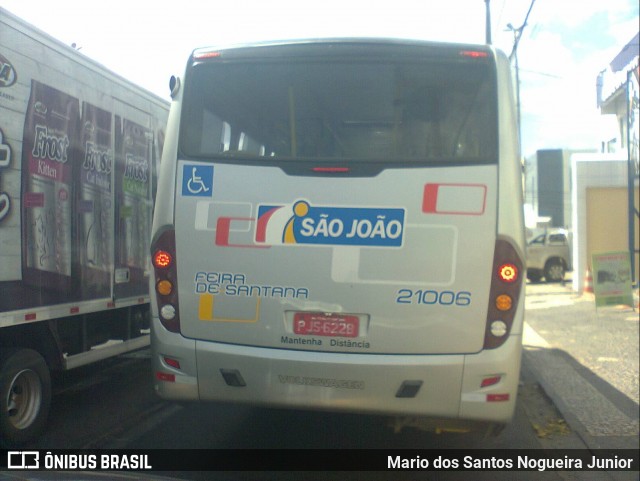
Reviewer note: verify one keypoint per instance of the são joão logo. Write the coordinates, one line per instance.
(303, 223)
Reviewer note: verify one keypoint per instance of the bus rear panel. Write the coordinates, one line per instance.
(339, 226)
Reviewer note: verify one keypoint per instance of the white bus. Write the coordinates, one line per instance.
(339, 226)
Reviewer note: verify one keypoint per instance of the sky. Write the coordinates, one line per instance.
(564, 44)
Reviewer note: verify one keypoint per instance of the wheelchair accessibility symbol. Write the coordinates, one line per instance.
(197, 180)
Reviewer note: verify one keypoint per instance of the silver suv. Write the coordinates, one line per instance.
(549, 256)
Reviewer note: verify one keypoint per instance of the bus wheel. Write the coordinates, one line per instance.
(25, 395)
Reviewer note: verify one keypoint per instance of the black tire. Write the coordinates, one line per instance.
(554, 270)
(25, 395)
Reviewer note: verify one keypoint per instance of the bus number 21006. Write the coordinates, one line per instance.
(431, 297)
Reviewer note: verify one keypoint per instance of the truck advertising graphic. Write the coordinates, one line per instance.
(48, 157)
(95, 202)
(79, 152)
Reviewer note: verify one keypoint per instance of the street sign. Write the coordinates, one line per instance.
(612, 279)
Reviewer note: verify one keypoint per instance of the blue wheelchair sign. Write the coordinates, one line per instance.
(197, 180)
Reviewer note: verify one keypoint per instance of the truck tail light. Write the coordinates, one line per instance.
(163, 257)
(506, 285)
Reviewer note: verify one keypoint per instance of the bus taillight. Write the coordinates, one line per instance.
(474, 53)
(203, 54)
(166, 279)
(508, 272)
(162, 259)
(506, 284)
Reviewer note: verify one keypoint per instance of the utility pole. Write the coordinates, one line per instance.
(633, 170)
(488, 22)
(519, 30)
(517, 34)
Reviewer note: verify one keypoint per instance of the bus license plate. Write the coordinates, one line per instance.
(319, 324)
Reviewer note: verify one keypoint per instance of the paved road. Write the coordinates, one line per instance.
(579, 389)
(114, 407)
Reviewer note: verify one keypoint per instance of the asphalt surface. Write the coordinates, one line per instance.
(587, 362)
(579, 388)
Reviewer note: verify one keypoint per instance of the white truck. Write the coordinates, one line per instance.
(79, 148)
(549, 255)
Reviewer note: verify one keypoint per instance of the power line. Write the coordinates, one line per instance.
(517, 34)
(518, 31)
(544, 74)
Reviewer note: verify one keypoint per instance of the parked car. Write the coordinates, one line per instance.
(549, 256)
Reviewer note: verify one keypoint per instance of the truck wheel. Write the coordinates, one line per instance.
(25, 395)
(554, 270)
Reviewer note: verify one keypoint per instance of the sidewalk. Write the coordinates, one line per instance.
(586, 360)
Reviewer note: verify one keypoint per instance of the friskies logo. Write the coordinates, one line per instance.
(304, 224)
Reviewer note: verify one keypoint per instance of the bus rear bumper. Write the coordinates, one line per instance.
(441, 386)
(367, 383)
(490, 382)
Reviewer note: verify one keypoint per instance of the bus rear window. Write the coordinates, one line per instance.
(308, 111)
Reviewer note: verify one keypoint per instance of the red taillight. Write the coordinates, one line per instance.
(331, 170)
(162, 259)
(498, 398)
(172, 362)
(490, 381)
(508, 273)
(165, 376)
(474, 53)
(203, 55)
(506, 284)
(166, 279)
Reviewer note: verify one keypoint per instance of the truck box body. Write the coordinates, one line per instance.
(79, 148)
